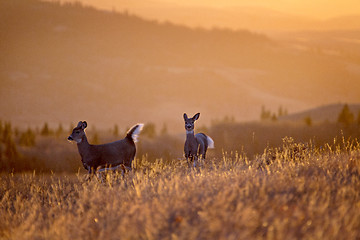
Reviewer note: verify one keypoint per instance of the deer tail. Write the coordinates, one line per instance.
(210, 142)
(134, 132)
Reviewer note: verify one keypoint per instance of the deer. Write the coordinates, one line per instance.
(109, 156)
(195, 145)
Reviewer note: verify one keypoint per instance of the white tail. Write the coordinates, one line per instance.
(134, 132)
(210, 142)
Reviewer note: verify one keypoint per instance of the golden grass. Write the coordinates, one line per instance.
(314, 196)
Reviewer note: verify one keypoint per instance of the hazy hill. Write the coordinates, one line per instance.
(234, 17)
(64, 63)
(329, 113)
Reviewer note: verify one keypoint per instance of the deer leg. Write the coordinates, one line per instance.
(187, 156)
(195, 157)
(204, 154)
(188, 162)
(123, 171)
(201, 152)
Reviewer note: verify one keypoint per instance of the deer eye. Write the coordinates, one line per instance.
(77, 131)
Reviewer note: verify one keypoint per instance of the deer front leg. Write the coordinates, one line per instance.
(187, 156)
(194, 158)
(194, 161)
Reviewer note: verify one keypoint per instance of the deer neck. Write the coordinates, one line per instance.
(83, 147)
(190, 134)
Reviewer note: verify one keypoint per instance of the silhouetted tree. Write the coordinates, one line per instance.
(95, 139)
(281, 112)
(59, 131)
(265, 114)
(229, 119)
(6, 132)
(10, 151)
(45, 131)
(226, 119)
(149, 130)
(346, 117)
(308, 121)
(27, 138)
(274, 118)
(164, 130)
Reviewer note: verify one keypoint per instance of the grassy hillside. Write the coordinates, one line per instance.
(312, 196)
(47, 150)
(66, 62)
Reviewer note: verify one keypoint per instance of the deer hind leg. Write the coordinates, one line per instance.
(202, 152)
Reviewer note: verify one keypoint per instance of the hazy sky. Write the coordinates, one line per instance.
(313, 8)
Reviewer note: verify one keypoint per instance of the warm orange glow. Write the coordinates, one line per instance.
(257, 15)
(310, 8)
(69, 62)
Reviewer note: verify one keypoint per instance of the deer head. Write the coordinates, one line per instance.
(189, 122)
(78, 132)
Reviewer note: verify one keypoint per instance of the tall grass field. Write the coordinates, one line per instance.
(296, 191)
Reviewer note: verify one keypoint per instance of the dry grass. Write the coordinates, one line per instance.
(314, 196)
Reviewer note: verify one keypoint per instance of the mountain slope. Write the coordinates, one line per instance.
(233, 16)
(66, 62)
(324, 113)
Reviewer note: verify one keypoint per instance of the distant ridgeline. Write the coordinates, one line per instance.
(339, 112)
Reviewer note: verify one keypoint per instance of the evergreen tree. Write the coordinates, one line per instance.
(95, 139)
(10, 151)
(274, 118)
(308, 121)
(281, 111)
(164, 130)
(265, 114)
(45, 131)
(346, 117)
(27, 138)
(6, 133)
(60, 130)
(149, 130)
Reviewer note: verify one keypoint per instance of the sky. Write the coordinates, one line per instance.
(321, 9)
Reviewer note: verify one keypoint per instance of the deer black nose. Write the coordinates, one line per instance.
(70, 138)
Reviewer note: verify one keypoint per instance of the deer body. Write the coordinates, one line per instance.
(105, 156)
(196, 145)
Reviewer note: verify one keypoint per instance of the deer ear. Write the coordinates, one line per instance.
(196, 116)
(185, 117)
(79, 124)
(84, 125)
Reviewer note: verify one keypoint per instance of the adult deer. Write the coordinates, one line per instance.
(109, 156)
(195, 145)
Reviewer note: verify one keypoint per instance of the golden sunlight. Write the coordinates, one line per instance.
(309, 8)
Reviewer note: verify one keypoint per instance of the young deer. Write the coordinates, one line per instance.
(109, 156)
(195, 145)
